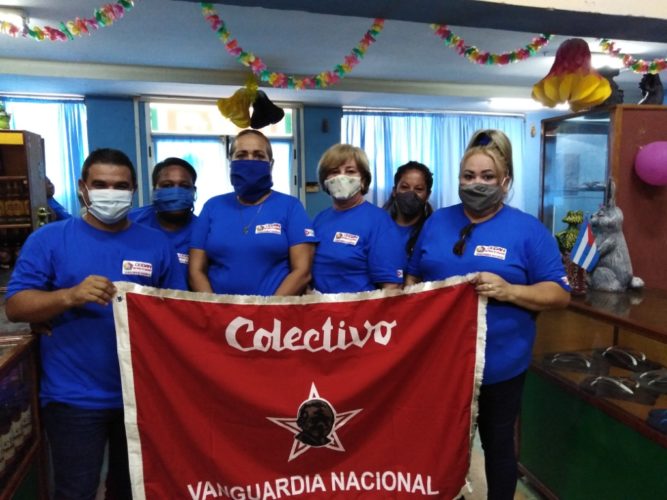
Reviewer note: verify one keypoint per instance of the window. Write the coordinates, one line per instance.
(199, 134)
(62, 125)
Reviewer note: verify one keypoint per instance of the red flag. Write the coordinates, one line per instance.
(345, 396)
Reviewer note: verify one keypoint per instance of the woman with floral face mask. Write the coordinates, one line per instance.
(254, 241)
(517, 267)
(171, 211)
(408, 204)
(360, 247)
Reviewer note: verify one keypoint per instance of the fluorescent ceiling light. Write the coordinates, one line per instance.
(13, 15)
(519, 104)
(601, 60)
(655, 10)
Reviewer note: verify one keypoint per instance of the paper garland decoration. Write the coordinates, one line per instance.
(104, 16)
(281, 80)
(637, 65)
(477, 56)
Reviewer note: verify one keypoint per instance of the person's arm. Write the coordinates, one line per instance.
(388, 286)
(38, 306)
(198, 271)
(411, 279)
(301, 263)
(537, 297)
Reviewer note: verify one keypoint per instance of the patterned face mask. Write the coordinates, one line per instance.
(343, 187)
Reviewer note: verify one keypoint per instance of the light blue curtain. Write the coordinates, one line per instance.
(437, 140)
(206, 154)
(62, 125)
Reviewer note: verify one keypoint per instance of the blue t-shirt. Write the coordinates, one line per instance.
(58, 209)
(513, 245)
(358, 248)
(404, 232)
(247, 246)
(79, 360)
(180, 238)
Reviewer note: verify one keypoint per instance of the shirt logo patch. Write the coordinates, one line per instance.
(136, 268)
(310, 233)
(183, 258)
(491, 251)
(399, 273)
(346, 238)
(271, 228)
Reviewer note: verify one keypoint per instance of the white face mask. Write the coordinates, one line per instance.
(109, 205)
(343, 187)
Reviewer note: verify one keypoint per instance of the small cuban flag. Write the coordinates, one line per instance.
(585, 252)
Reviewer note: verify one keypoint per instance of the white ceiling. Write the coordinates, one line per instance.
(165, 48)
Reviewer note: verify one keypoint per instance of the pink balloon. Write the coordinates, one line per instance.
(651, 163)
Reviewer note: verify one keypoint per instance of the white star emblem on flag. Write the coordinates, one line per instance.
(334, 442)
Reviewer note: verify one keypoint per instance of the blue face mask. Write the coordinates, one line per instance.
(173, 199)
(251, 178)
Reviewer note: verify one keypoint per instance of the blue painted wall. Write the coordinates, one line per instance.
(111, 124)
(321, 130)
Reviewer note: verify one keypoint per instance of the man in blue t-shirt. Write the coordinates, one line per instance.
(172, 209)
(63, 284)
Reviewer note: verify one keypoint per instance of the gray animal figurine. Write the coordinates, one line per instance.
(616, 96)
(613, 272)
(651, 87)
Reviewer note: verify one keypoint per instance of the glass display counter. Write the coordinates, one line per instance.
(20, 437)
(595, 406)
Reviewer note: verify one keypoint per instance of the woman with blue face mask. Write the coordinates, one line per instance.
(171, 211)
(253, 241)
(360, 247)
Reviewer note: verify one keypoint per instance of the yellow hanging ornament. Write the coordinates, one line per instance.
(237, 107)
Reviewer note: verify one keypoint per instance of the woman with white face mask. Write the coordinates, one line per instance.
(517, 267)
(360, 248)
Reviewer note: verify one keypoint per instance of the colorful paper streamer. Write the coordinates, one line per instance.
(281, 80)
(67, 30)
(478, 56)
(637, 65)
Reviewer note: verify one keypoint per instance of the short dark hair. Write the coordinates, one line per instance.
(173, 161)
(110, 156)
(255, 132)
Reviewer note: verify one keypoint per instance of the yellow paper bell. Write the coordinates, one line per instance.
(237, 107)
(572, 79)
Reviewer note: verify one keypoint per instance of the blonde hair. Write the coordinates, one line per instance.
(498, 160)
(494, 139)
(338, 154)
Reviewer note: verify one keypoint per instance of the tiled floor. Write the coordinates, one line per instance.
(478, 479)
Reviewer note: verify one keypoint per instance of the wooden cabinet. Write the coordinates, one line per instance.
(585, 439)
(23, 206)
(598, 368)
(580, 151)
(20, 436)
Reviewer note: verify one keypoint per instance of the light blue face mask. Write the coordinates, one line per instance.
(173, 199)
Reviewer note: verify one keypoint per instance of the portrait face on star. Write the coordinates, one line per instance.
(316, 420)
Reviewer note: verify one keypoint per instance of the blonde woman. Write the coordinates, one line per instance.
(360, 248)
